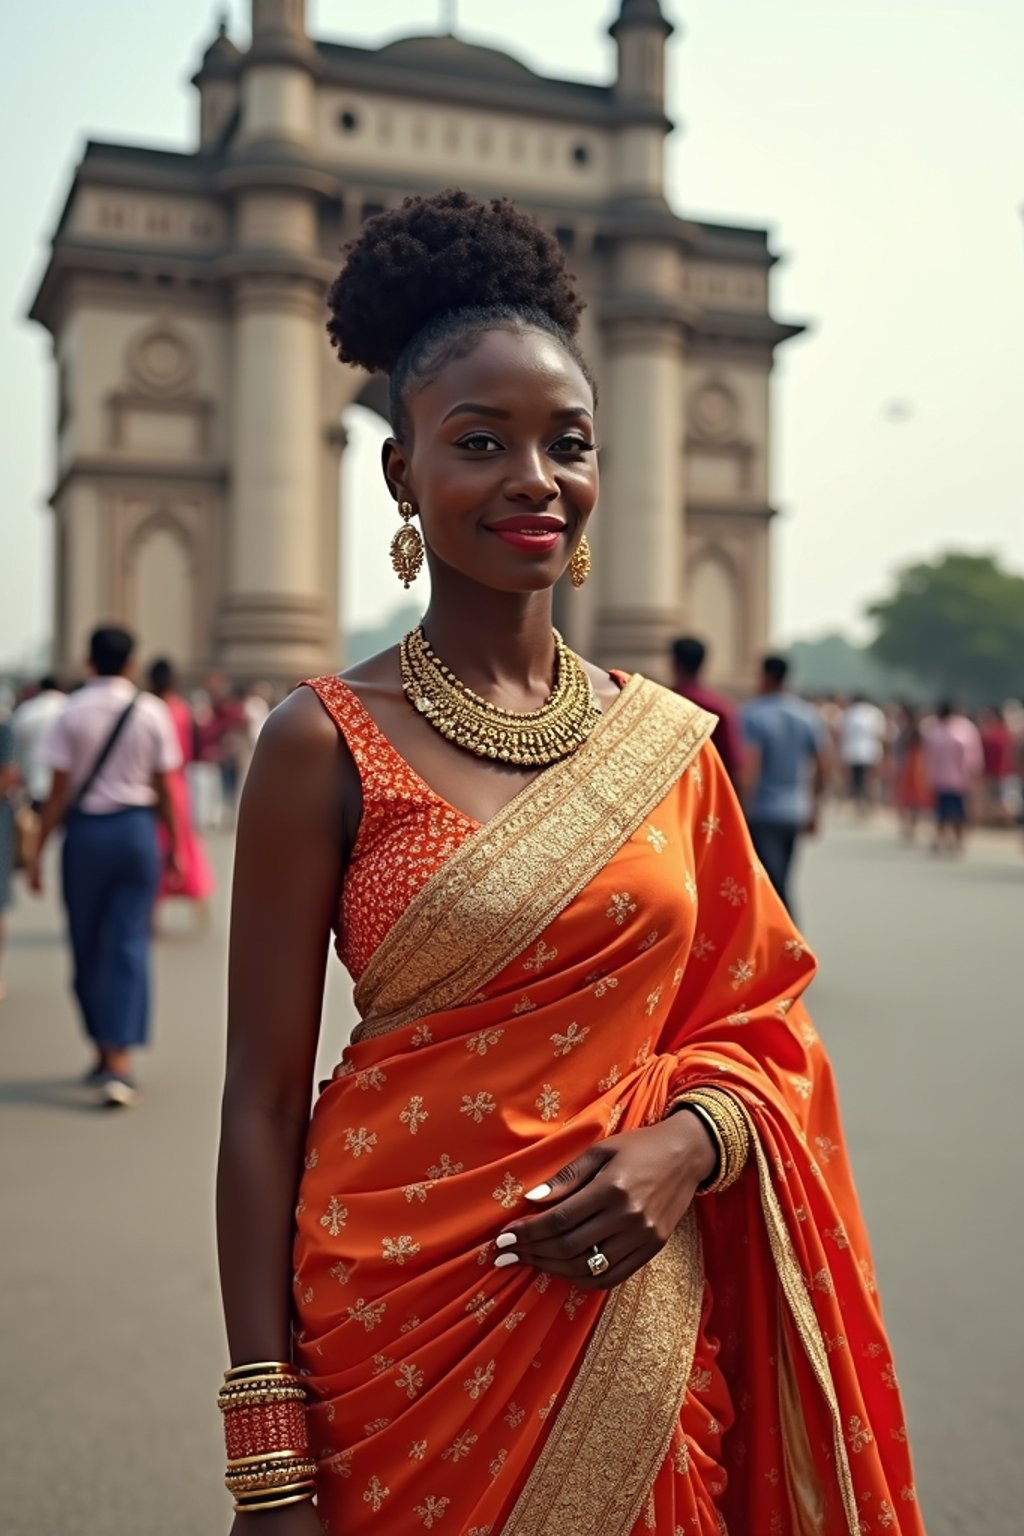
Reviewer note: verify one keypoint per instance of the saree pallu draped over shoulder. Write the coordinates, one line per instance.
(604, 941)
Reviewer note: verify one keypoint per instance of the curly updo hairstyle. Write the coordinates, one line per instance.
(422, 282)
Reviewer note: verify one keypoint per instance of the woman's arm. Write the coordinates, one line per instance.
(288, 865)
(295, 813)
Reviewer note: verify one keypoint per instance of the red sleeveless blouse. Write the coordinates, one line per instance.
(406, 833)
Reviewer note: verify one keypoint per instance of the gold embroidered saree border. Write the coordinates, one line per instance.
(614, 1429)
(798, 1299)
(515, 874)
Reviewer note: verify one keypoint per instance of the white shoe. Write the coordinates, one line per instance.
(119, 1093)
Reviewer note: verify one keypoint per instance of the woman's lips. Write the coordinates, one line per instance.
(542, 539)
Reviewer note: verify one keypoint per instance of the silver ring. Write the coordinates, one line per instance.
(598, 1262)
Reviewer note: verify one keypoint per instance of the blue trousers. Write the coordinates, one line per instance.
(111, 871)
(775, 844)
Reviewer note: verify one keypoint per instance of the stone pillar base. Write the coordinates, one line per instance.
(636, 640)
(274, 637)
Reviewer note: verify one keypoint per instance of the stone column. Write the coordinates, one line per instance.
(642, 491)
(642, 519)
(273, 617)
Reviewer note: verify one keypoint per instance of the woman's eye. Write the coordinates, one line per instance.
(573, 444)
(479, 442)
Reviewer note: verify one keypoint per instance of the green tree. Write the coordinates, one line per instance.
(958, 623)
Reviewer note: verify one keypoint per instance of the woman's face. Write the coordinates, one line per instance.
(500, 462)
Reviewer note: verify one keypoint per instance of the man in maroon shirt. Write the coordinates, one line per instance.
(688, 656)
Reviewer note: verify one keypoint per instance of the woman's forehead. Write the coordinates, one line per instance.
(513, 370)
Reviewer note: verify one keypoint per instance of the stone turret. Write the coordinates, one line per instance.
(278, 84)
(642, 554)
(217, 83)
(640, 31)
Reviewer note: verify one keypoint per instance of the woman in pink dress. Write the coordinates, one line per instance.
(196, 883)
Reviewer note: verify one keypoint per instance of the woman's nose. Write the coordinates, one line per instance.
(530, 479)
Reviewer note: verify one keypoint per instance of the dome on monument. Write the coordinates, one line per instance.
(451, 55)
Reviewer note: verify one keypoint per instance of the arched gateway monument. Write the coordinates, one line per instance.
(199, 425)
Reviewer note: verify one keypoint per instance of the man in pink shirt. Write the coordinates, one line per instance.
(110, 752)
(952, 748)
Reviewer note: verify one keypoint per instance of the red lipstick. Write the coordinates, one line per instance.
(526, 532)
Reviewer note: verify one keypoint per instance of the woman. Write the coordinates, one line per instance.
(196, 882)
(579, 1005)
(912, 791)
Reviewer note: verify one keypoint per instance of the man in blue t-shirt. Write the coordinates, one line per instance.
(784, 772)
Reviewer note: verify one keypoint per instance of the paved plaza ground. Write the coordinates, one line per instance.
(112, 1346)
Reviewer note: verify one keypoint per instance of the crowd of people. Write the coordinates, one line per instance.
(184, 755)
(787, 754)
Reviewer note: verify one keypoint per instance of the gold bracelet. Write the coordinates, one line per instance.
(245, 1394)
(260, 1368)
(283, 1470)
(241, 1462)
(708, 1122)
(277, 1497)
(731, 1134)
(293, 1498)
(271, 1482)
(292, 1486)
(256, 1400)
(733, 1129)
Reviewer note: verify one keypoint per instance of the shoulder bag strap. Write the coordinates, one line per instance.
(104, 752)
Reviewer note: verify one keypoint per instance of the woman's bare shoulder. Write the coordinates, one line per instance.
(298, 726)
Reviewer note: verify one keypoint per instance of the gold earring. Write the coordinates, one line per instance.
(407, 548)
(579, 565)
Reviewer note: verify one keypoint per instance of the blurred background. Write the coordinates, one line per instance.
(811, 437)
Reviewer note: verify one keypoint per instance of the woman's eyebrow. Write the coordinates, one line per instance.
(473, 408)
(470, 408)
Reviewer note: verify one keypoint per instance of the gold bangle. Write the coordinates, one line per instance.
(271, 1482)
(293, 1498)
(260, 1368)
(281, 1496)
(295, 1466)
(732, 1125)
(248, 1396)
(710, 1125)
(252, 1461)
(293, 1486)
(731, 1133)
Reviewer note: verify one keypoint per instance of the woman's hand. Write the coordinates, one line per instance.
(624, 1196)
(293, 1520)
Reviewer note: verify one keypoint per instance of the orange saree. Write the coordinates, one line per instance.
(562, 973)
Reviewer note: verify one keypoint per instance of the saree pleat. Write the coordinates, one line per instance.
(741, 1379)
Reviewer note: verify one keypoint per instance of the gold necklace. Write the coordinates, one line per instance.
(529, 740)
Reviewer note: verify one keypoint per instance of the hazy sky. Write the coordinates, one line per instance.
(880, 140)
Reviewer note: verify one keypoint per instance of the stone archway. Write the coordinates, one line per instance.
(715, 612)
(185, 297)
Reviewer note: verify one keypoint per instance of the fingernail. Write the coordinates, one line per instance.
(504, 1259)
(540, 1193)
(505, 1240)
